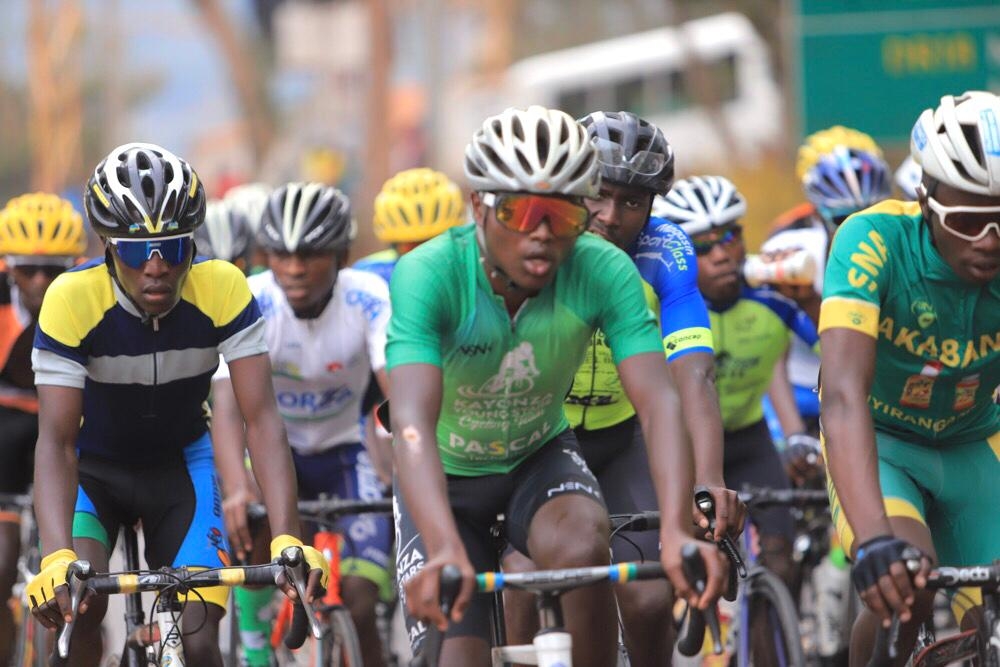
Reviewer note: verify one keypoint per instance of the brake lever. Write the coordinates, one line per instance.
(76, 577)
(706, 504)
(294, 561)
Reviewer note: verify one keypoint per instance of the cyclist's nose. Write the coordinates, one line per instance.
(155, 266)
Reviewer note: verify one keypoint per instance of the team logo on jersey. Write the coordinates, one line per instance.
(334, 366)
(515, 377)
(965, 392)
(924, 312)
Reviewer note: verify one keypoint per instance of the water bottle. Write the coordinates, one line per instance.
(797, 268)
(831, 582)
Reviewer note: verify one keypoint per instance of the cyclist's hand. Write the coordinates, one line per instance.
(882, 580)
(803, 458)
(423, 589)
(319, 568)
(234, 514)
(730, 514)
(47, 591)
(716, 569)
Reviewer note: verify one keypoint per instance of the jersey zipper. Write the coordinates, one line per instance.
(152, 393)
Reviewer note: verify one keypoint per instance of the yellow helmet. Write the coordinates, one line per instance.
(823, 142)
(416, 205)
(41, 224)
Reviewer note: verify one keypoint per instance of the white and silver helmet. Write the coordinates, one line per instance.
(307, 217)
(699, 203)
(250, 200)
(535, 150)
(226, 233)
(907, 176)
(958, 143)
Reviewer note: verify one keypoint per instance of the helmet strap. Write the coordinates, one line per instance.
(493, 269)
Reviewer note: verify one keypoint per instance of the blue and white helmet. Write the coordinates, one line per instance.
(699, 203)
(845, 181)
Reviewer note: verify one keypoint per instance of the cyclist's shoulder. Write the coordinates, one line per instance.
(887, 224)
(359, 279)
(771, 300)
(84, 288)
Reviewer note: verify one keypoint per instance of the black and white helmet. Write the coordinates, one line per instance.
(307, 217)
(534, 150)
(630, 150)
(958, 143)
(144, 191)
(250, 199)
(699, 203)
(226, 233)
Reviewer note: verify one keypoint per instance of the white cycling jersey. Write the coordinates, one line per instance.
(803, 363)
(321, 367)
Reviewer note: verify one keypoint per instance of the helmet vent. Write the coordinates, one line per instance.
(142, 161)
(495, 160)
(170, 208)
(168, 172)
(134, 213)
(517, 128)
(543, 144)
(123, 177)
(523, 160)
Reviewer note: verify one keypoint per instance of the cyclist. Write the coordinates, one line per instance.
(413, 206)
(636, 163)
(226, 234)
(123, 355)
(325, 328)
(842, 171)
(490, 322)
(248, 202)
(911, 310)
(752, 329)
(40, 237)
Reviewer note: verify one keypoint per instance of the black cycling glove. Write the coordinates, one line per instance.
(873, 559)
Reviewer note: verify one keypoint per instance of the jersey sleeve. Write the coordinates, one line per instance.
(417, 299)
(60, 352)
(627, 322)
(236, 315)
(856, 278)
(667, 262)
(373, 297)
(796, 319)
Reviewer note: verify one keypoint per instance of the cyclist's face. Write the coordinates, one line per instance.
(976, 262)
(32, 281)
(305, 277)
(619, 213)
(719, 269)
(530, 259)
(156, 286)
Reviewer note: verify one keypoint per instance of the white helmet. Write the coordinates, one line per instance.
(699, 203)
(535, 150)
(959, 142)
(226, 233)
(249, 200)
(908, 175)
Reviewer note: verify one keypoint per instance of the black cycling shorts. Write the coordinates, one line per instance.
(554, 470)
(617, 456)
(749, 457)
(18, 433)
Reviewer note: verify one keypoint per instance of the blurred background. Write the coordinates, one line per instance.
(350, 91)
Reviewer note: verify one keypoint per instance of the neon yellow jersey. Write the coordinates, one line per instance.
(669, 269)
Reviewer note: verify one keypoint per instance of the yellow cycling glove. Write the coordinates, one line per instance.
(42, 587)
(315, 559)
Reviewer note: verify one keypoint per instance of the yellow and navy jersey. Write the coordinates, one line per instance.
(669, 270)
(145, 380)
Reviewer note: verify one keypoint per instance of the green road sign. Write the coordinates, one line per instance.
(876, 64)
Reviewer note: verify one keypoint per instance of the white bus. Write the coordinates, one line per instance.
(646, 73)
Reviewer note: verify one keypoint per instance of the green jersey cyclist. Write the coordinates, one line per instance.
(910, 349)
(490, 322)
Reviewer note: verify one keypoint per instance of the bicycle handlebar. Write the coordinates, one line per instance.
(764, 497)
(692, 635)
(985, 577)
(449, 586)
(81, 580)
(328, 508)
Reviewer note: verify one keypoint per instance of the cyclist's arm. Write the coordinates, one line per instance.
(379, 446)
(848, 363)
(60, 409)
(647, 382)
(229, 444)
(694, 374)
(415, 397)
(270, 454)
(783, 399)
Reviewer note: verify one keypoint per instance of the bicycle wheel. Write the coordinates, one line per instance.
(765, 590)
(341, 646)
